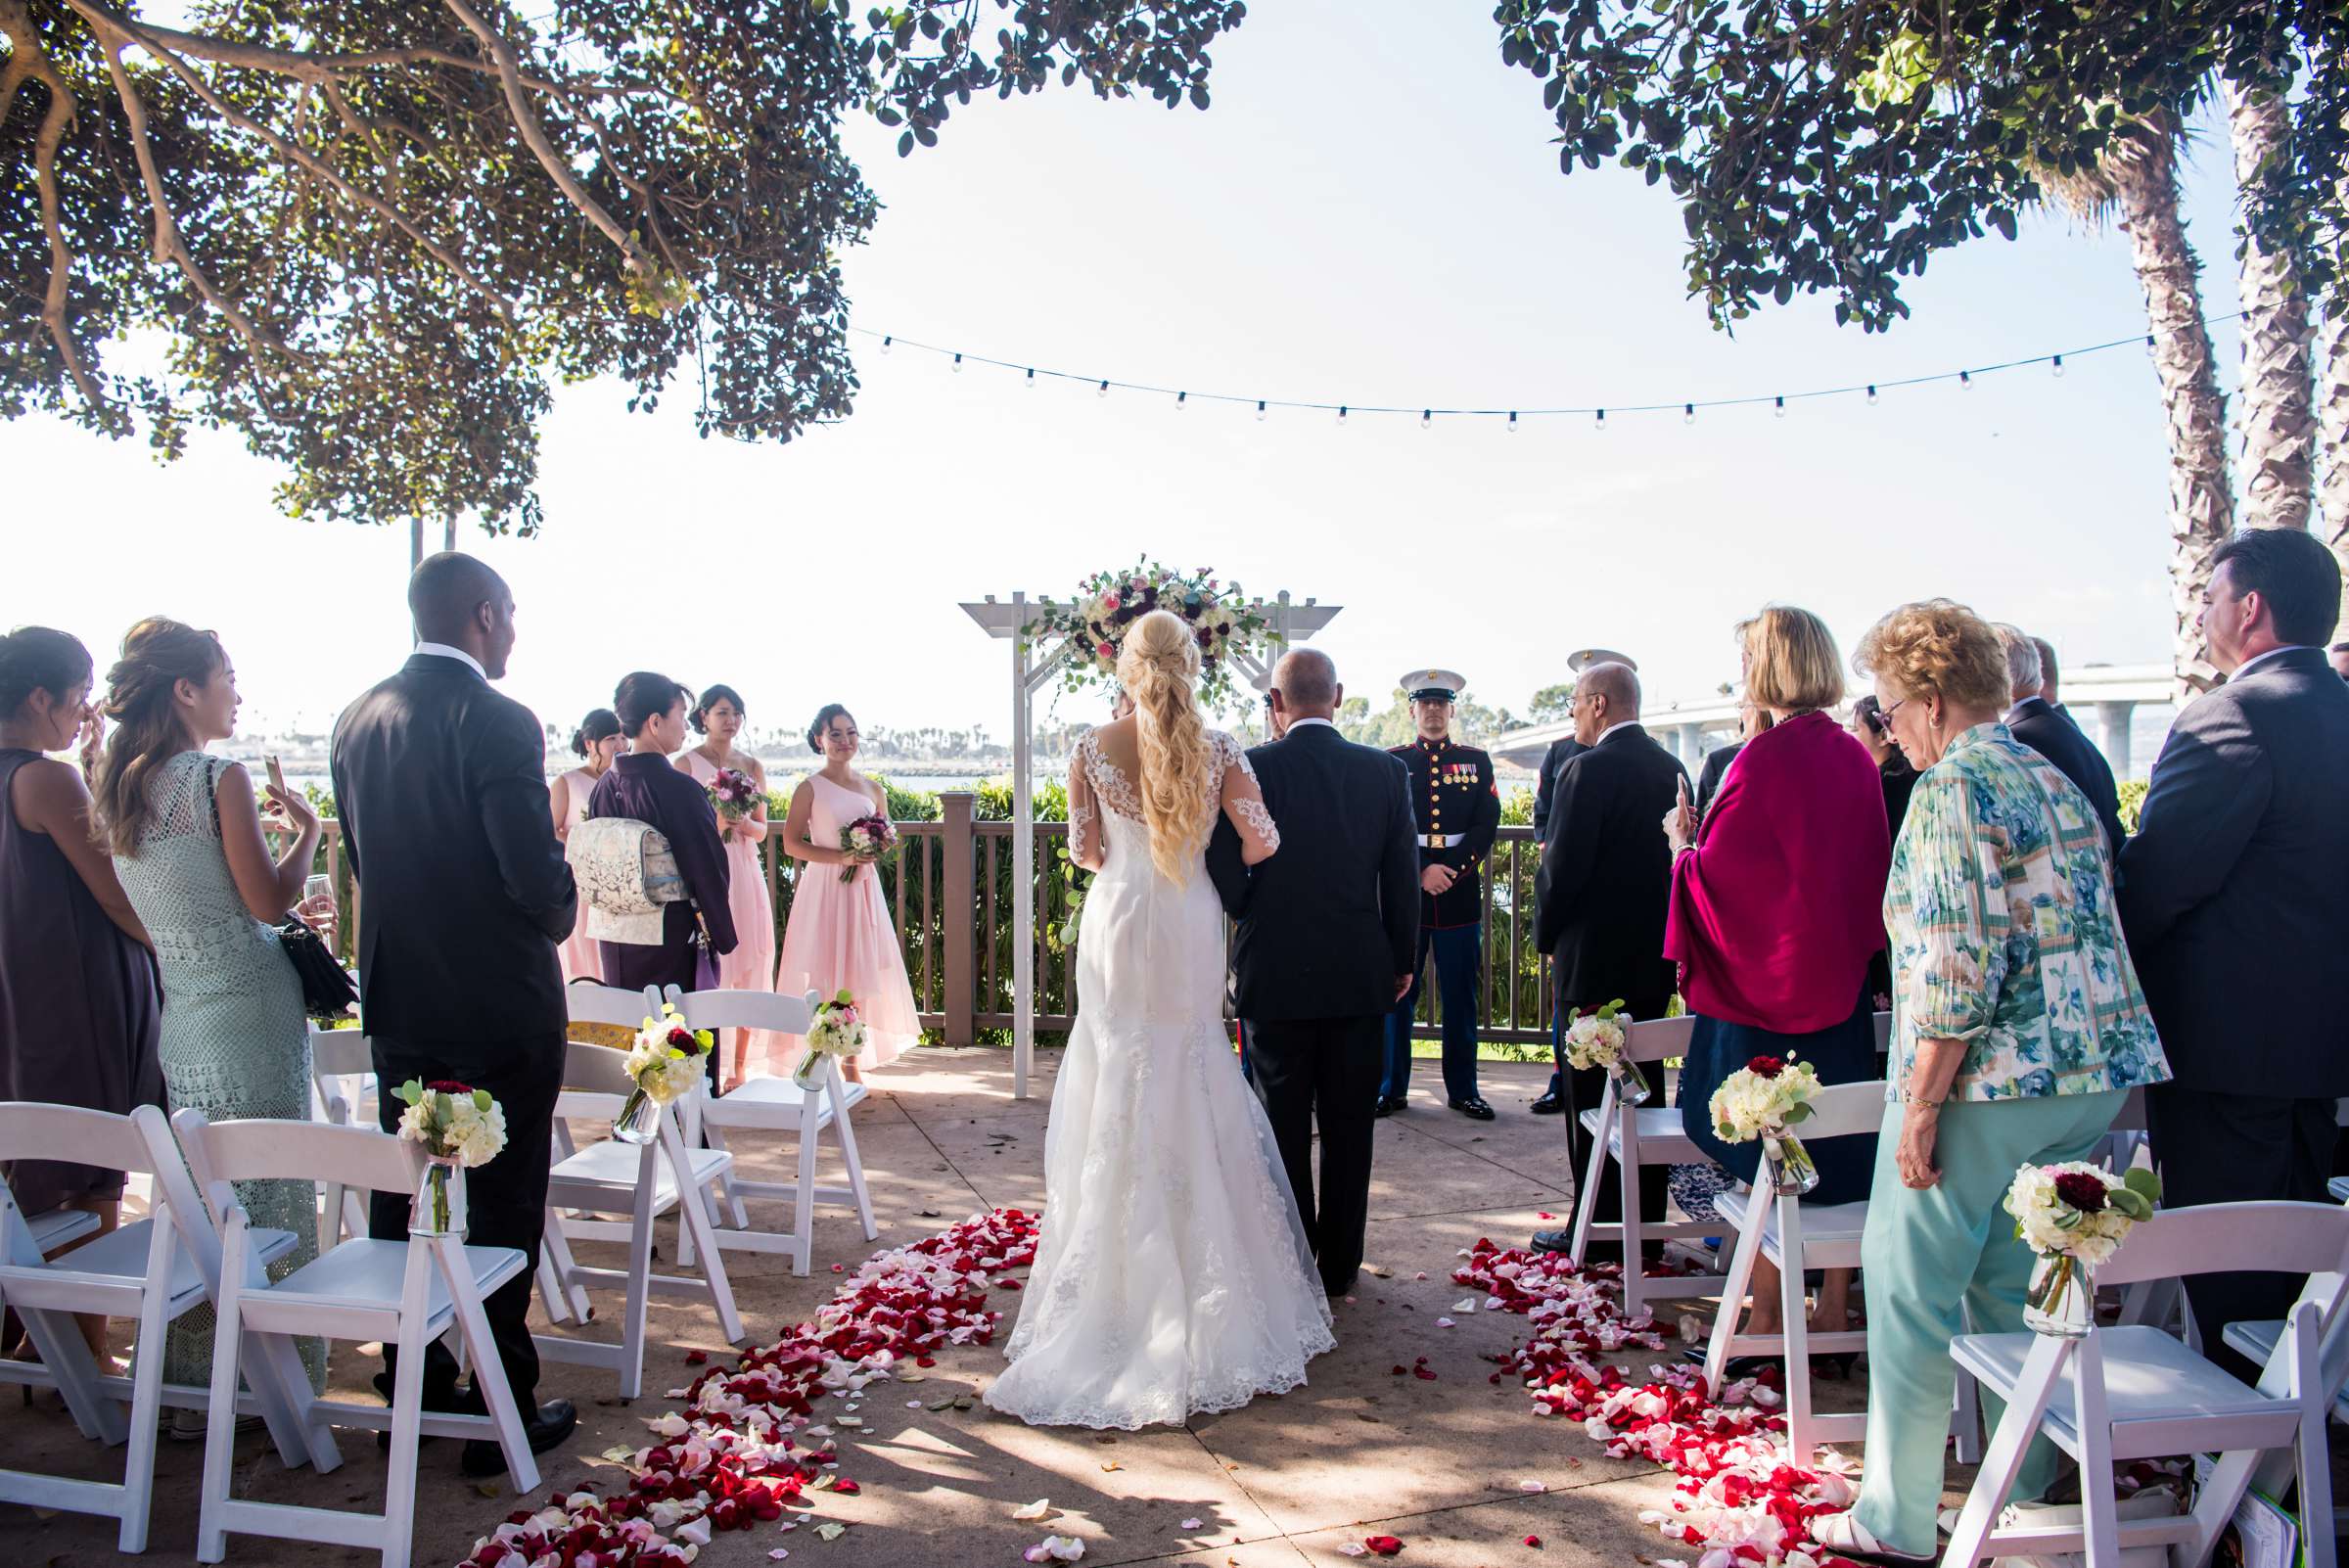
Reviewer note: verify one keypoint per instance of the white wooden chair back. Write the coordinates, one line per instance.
(264, 1150)
(1883, 1027)
(590, 1003)
(1616, 1134)
(778, 1011)
(1840, 1111)
(2285, 1238)
(1657, 1039)
(342, 1065)
(595, 1081)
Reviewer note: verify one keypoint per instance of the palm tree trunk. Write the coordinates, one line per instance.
(2278, 419)
(2201, 504)
(2333, 436)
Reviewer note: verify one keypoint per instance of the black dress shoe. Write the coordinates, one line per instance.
(1390, 1104)
(545, 1428)
(1553, 1241)
(1475, 1109)
(1549, 1104)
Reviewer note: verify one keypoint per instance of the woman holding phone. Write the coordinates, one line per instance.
(187, 837)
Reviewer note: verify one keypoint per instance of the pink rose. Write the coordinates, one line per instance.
(1110, 601)
(1106, 651)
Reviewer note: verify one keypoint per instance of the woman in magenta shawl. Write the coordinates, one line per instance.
(1777, 904)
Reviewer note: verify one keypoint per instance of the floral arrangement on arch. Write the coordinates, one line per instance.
(1222, 620)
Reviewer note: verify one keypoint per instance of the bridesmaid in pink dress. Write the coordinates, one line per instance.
(840, 934)
(597, 740)
(751, 966)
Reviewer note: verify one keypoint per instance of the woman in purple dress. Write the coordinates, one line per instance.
(643, 785)
(79, 1006)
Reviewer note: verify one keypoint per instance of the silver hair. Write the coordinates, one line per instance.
(2024, 670)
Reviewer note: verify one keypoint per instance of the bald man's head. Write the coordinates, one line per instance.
(461, 603)
(1304, 684)
(1604, 696)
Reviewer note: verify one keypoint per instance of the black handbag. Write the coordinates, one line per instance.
(326, 987)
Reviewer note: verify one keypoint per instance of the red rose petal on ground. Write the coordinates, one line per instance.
(1384, 1546)
(696, 1358)
(847, 1489)
(1396, 1371)
(1423, 1374)
(1533, 1541)
(1539, 1214)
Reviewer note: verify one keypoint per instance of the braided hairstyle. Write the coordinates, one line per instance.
(157, 654)
(1158, 664)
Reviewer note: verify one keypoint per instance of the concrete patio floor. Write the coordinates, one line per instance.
(1440, 1465)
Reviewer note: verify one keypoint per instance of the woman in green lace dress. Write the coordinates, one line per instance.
(186, 835)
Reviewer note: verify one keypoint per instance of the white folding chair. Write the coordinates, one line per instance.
(1635, 1137)
(139, 1270)
(2134, 1392)
(780, 1105)
(403, 1293)
(341, 1077)
(586, 1002)
(1797, 1237)
(644, 1181)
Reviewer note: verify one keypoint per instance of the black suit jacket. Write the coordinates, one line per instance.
(1553, 763)
(1329, 923)
(2057, 738)
(2235, 892)
(440, 785)
(1606, 870)
(1709, 776)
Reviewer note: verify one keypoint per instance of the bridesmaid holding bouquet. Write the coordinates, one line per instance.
(737, 785)
(840, 936)
(597, 740)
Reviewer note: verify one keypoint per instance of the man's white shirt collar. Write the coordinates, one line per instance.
(1296, 724)
(442, 650)
(2249, 665)
(1625, 723)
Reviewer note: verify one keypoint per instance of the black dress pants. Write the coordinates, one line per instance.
(1585, 1088)
(1325, 1071)
(506, 1198)
(2237, 1149)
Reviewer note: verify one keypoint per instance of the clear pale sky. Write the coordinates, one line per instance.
(1370, 213)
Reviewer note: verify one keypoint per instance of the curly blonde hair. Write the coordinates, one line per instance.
(1937, 648)
(1158, 666)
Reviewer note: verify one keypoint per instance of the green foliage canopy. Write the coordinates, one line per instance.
(370, 237)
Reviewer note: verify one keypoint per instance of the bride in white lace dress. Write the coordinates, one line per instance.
(1173, 1276)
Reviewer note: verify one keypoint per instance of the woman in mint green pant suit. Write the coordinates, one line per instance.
(2018, 1031)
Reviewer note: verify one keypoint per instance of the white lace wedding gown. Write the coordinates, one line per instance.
(1173, 1276)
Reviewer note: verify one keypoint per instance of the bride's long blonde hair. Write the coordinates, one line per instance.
(1158, 664)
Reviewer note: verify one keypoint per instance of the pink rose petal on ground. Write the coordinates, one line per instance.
(1190, 1524)
(1445, 1322)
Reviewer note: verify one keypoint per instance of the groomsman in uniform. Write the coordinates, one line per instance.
(1457, 800)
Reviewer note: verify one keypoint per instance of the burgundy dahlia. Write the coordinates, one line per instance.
(2082, 1191)
(449, 1086)
(1766, 1066)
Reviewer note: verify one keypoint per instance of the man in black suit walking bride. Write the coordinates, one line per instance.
(1327, 932)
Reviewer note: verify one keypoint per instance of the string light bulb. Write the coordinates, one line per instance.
(1259, 408)
(1427, 417)
(958, 364)
(1183, 400)
(1778, 408)
(1871, 394)
(2058, 367)
(1512, 421)
(1600, 423)
(1340, 415)
(1102, 391)
(1687, 413)
(1032, 378)
(885, 342)
(1966, 381)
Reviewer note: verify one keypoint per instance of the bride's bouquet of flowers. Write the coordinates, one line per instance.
(733, 794)
(458, 1126)
(869, 839)
(2073, 1216)
(837, 1033)
(1762, 1099)
(1595, 1039)
(665, 1061)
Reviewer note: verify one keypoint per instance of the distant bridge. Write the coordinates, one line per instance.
(2102, 697)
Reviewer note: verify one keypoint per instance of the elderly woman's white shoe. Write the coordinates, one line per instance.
(1845, 1533)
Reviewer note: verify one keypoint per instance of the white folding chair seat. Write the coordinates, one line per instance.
(643, 1181)
(59, 1226)
(1650, 1136)
(780, 1105)
(1797, 1237)
(405, 1294)
(2338, 1188)
(2133, 1392)
(141, 1270)
(341, 1077)
(2257, 1342)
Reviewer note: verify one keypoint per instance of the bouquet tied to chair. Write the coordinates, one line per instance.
(837, 1031)
(665, 1060)
(1764, 1099)
(1596, 1039)
(458, 1126)
(2073, 1216)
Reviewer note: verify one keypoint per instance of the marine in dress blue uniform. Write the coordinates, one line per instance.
(1457, 800)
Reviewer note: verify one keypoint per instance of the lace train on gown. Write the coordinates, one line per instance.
(1173, 1277)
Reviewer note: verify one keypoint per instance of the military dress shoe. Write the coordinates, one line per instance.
(1388, 1105)
(1474, 1108)
(1549, 1104)
(545, 1428)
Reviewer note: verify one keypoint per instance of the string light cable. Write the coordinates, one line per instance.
(1687, 408)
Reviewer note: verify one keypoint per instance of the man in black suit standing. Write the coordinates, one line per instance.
(1605, 881)
(441, 783)
(2036, 723)
(2234, 894)
(1327, 932)
(1553, 763)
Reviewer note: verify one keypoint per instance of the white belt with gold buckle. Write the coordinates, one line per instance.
(1441, 840)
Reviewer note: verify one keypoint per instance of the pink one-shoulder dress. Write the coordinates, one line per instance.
(839, 937)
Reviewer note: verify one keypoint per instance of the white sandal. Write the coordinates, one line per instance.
(1844, 1532)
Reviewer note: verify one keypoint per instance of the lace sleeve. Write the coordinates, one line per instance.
(1243, 801)
(1085, 825)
